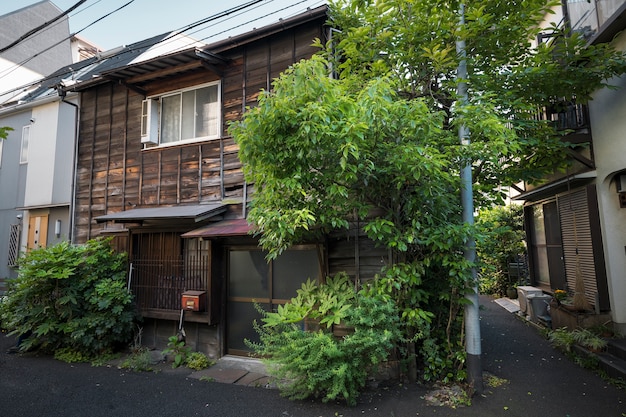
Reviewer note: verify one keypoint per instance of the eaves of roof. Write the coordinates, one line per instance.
(248, 37)
(133, 73)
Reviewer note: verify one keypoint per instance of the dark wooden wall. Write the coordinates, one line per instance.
(115, 173)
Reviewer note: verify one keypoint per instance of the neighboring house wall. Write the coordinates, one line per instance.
(608, 123)
(36, 181)
(576, 220)
(12, 186)
(37, 55)
(40, 188)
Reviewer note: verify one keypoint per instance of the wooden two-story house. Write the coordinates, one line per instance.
(158, 171)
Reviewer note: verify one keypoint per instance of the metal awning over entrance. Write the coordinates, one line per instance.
(554, 188)
(196, 213)
(233, 227)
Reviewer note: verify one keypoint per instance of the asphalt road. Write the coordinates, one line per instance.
(539, 381)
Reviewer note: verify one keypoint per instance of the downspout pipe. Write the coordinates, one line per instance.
(62, 94)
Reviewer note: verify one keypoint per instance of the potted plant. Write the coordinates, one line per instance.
(560, 296)
(511, 292)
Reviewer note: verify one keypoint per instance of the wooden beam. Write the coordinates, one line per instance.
(164, 72)
(585, 161)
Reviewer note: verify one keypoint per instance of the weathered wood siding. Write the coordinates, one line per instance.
(115, 173)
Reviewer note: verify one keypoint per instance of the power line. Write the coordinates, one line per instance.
(24, 62)
(40, 27)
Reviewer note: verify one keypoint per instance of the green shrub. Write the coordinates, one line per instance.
(502, 240)
(198, 361)
(72, 299)
(138, 361)
(319, 364)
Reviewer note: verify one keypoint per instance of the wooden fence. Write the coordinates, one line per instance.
(159, 284)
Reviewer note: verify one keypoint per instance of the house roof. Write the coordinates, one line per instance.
(148, 68)
(231, 227)
(160, 56)
(196, 213)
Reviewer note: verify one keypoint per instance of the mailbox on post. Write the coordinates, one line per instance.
(194, 300)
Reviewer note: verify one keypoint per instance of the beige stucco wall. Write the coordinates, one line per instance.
(608, 122)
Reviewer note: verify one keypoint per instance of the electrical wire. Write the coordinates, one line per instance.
(24, 62)
(40, 27)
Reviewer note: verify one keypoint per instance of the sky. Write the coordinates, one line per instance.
(142, 19)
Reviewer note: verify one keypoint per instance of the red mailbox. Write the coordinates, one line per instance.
(194, 300)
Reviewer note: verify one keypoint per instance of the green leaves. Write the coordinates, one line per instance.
(317, 363)
(70, 297)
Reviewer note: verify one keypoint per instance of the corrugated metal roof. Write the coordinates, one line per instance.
(196, 213)
(233, 227)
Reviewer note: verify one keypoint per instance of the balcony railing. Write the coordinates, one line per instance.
(563, 115)
(568, 115)
(159, 284)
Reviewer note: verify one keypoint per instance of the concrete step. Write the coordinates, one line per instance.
(614, 366)
(617, 347)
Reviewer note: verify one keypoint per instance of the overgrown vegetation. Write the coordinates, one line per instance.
(318, 363)
(139, 361)
(502, 239)
(72, 300)
(178, 349)
(182, 355)
(198, 361)
(564, 339)
(378, 144)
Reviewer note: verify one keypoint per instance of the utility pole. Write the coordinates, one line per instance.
(472, 318)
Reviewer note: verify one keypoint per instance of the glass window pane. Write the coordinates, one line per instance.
(291, 269)
(25, 142)
(249, 274)
(539, 232)
(170, 119)
(189, 114)
(240, 319)
(207, 109)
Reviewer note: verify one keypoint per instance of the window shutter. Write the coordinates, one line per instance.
(150, 121)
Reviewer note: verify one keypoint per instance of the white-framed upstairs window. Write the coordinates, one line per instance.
(25, 144)
(188, 115)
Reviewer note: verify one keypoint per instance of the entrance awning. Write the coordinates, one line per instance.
(233, 227)
(196, 213)
(554, 188)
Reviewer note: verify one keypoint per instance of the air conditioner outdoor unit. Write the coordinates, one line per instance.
(523, 291)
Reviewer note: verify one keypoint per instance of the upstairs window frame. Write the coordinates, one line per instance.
(183, 116)
(24, 144)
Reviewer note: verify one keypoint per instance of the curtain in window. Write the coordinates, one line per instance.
(170, 119)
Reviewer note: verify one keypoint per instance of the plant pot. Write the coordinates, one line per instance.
(341, 330)
(311, 324)
(511, 293)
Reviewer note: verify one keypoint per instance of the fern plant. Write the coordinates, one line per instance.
(318, 364)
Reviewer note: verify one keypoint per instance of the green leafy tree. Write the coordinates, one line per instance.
(71, 298)
(379, 141)
(502, 231)
(4, 132)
